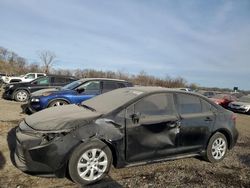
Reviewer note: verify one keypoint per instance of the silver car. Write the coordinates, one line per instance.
(242, 105)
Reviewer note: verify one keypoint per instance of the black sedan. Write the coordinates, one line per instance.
(124, 127)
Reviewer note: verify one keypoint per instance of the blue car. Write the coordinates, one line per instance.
(74, 93)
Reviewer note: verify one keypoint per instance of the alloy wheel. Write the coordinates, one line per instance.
(22, 96)
(92, 164)
(218, 148)
(58, 103)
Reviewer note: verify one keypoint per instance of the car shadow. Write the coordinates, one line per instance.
(2, 161)
(105, 183)
(245, 159)
(11, 139)
(25, 109)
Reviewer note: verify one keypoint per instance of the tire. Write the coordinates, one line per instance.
(21, 95)
(85, 169)
(216, 148)
(57, 103)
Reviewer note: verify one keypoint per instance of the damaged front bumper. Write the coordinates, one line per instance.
(34, 157)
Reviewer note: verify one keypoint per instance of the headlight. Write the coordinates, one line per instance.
(50, 136)
(35, 100)
(10, 86)
(246, 107)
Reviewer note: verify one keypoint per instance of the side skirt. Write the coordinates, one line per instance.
(162, 160)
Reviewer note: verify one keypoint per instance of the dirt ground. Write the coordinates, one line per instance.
(233, 171)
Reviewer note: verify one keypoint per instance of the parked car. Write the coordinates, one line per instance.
(24, 78)
(242, 105)
(185, 89)
(74, 93)
(209, 94)
(223, 99)
(124, 127)
(21, 91)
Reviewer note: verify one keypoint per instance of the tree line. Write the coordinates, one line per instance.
(12, 63)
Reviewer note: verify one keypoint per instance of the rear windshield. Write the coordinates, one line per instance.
(112, 100)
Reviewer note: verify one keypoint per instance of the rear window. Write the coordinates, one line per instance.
(59, 80)
(108, 86)
(40, 75)
(188, 104)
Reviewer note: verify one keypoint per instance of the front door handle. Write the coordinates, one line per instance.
(208, 119)
(175, 124)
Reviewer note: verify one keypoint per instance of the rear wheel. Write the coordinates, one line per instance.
(58, 103)
(21, 95)
(217, 148)
(90, 162)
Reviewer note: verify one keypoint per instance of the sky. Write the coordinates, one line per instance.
(205, 42)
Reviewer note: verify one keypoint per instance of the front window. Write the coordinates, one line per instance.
(41, 81)
(157, 104)
(72, 85)
(90, 87)
(30, 76)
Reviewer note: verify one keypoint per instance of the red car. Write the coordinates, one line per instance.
(223, 99)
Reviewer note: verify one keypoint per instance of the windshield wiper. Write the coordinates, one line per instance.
(88, 107)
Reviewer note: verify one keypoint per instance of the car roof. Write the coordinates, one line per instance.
(152, 89)
(65, 76)
(117, 98)
(103, 79)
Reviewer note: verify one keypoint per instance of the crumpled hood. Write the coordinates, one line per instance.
(241, 103)
(61, 117)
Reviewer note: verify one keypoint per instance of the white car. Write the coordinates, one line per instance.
(185, 89)
(243, 105)
(23, 78)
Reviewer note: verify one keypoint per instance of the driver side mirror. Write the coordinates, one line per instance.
(80, 90)
(136, 117)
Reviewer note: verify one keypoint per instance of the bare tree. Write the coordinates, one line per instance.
(47, 59)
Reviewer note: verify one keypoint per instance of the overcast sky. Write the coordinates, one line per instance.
(205, 42)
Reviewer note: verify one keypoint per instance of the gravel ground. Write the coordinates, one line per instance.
(233, 171)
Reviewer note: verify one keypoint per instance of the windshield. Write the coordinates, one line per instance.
(112, 100)
(72, 85)
(244, 99)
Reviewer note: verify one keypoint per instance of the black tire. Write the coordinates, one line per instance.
(58, 102)
(91, 164)
(216, 148)
(21, 95)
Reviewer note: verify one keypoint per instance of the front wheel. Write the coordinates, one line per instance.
(217, 148)
(57, 103)
(90, 162)
(21, 95)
